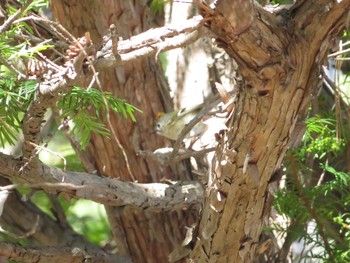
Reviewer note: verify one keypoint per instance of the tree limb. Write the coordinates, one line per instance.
(55, 254)
(151, 42)
(103, 190)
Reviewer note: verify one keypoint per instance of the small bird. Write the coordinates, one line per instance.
(171, 124)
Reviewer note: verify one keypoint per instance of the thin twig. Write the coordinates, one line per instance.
(342, 59)
(110, 126)
(9, 65)
(96, 79)
(58, 210)
(188, 127)
(83, 156)
(330, 84)
(320, 180)
(54, 25)
(27, 234)
(48, 61)
(163, 157)
(44, 148)
(108, 118)
(342, 52)
(12, 18)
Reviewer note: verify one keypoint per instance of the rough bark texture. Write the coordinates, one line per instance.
(279, 57)
(105, 190)
(146, 236)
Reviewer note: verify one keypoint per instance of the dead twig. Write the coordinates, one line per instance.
(12, 18)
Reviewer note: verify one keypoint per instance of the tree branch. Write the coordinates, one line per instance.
(55, 254)
(151, 42)
(46, 96)
(103, 190)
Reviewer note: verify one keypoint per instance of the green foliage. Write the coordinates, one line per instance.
(340, 183)
(320, 138)
(38, 4)
(88, 107)
(289, 204)
(282, 2)
(15, 97)
(158, 5)
(318, 193)
(15, 93)
(89, 219)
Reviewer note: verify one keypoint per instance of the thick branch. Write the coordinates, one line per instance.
(104, 190)
(151, 42)
(47, 95)
(55, 254)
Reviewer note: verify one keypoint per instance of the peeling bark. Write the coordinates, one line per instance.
(279, 58)
(52, 255)
(104, 190)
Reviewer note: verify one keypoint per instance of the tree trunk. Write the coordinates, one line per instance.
(279, 57)
(142, 234)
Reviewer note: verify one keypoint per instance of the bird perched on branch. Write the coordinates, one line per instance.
(171, 124)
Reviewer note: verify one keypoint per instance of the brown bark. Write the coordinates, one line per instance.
(55, 255)
(279, 58)
(146, 236)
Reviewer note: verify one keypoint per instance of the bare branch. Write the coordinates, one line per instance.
(108, 191)
(151, 42)
(12, 67)
(162, 155)
(209, 105)
(47, 93)
(55, 254)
